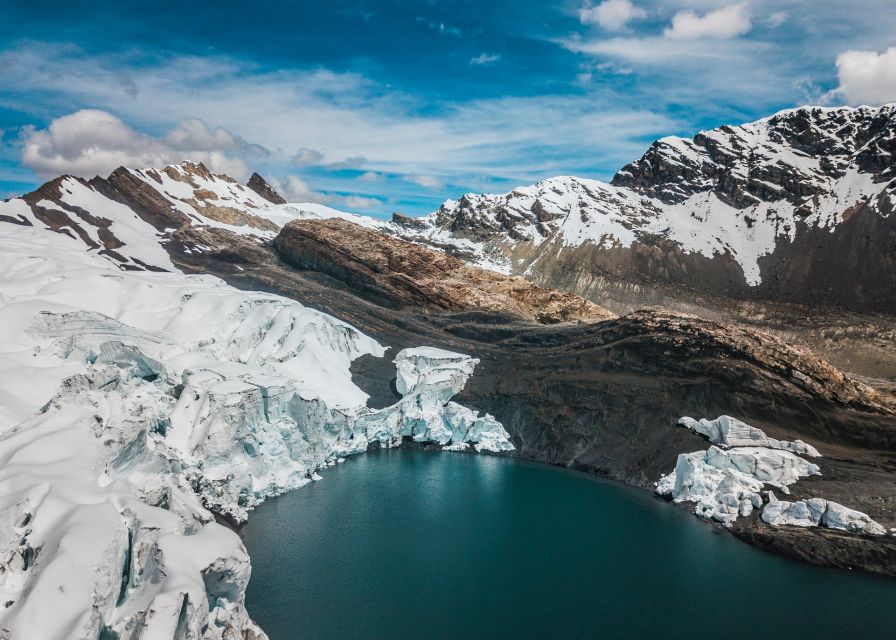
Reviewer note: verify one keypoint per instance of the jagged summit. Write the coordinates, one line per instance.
(126, 215)
(260, 186)
(792, 155)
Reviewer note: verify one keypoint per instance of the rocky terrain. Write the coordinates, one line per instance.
(784, 224)
(788, 208)
(406, 275)
(604, 397)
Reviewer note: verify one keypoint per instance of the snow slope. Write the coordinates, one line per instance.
(134, 404)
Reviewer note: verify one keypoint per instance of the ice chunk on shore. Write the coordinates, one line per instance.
(428, 378)
(819, 512)
(726, 480)
(727, 432)
(726, 484)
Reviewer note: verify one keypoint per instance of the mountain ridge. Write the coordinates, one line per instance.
(749, 201)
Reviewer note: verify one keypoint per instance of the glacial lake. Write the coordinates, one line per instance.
(409, 544)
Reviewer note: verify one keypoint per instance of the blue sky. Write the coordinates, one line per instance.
(384, 106)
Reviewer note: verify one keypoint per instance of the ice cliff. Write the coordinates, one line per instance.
(729, 479)
(135, 405)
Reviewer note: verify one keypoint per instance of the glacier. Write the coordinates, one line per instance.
(136, 407)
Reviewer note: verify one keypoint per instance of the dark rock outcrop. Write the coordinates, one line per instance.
(260, 186)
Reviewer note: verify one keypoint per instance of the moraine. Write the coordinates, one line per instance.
(404, 544)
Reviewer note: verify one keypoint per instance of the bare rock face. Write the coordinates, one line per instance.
(260, 186)
(405, 274)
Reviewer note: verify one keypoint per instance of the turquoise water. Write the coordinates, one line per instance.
(413, 544)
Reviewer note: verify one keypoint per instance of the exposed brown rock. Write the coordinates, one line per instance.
(230, 215)
(403, 274)
(47, 205)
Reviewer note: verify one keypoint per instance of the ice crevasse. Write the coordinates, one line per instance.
(134, 406)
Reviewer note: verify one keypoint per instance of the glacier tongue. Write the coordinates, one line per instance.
(137, 404)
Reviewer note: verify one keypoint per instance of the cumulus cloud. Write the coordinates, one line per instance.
(485, 58)
(305, 156)
(728, 22)
(612, 15)
(427, 182)
(867, 77)
(92, 142)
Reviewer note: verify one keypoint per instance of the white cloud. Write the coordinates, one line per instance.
(193, 133)
(295, 189)
(358, 202)
(776, 19)
(352, 162)
(427, 182)
(92, 142)
(485, 58)
(612, 15)
(305, 156)
(342, 115)
(726, 23)
(867, 77)
(371, 176)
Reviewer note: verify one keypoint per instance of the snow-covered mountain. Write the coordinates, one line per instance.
(793, 207)
(126, 216)
(137, 401)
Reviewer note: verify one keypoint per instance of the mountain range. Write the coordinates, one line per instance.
(208, 344)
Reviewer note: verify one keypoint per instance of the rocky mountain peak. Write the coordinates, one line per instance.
(793, 155)
(260, 186)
